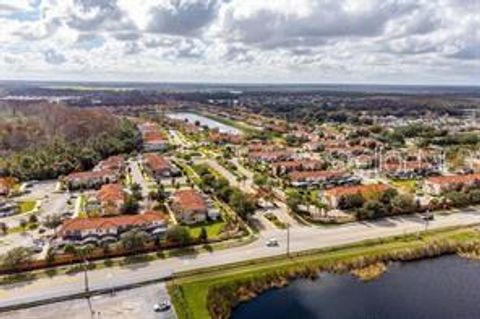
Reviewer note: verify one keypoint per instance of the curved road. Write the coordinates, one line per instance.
(303, 238)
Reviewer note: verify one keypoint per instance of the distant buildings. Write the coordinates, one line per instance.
(295, 165)
(270, 156)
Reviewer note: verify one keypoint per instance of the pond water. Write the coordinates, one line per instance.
(441, 288)
(204, 121)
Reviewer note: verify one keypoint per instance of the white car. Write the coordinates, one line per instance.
(163, 305)
(272, 242)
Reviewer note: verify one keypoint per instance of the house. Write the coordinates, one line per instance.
(364, 161)
(8, 208)
(326, 178)
(111, 198)
(270, 156)
(437, 185)
(6, 185)
(190, 207)
(4, 188)
(295, 165)
(153, 140)
(222, 138)
(159, 167)
(113, 163)
(86, 180)
(97, 230)
(313, 146)
(408, 169)
(332, 196)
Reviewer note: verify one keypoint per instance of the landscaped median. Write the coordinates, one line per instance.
(212, 292)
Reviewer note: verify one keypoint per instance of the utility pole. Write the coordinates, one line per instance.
(85, 273)
(288, 239)
(87, 288)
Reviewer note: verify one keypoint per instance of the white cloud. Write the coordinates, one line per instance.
(432, 41)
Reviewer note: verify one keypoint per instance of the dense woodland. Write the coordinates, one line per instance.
(42, 141)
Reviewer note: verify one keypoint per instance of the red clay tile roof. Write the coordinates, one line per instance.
(189, 199)
(362, 189)
(270, 154)
(78, 224)
(287, 164)
(454, 179)
(111, 193)
(157, 162)
(300, 176)
(89, 175)
(409, 165)
(153, 137)
(112, 163)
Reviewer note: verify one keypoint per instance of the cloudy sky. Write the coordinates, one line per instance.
(321, 41)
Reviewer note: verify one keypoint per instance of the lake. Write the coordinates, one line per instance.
(204, 121)
(441, 288)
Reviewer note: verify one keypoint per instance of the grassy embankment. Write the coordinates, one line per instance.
(225, 286)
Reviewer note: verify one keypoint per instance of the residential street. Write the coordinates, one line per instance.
(302, 238)
(138, 178)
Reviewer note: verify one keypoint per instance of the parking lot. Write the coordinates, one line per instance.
(129, 304)
(49, 202)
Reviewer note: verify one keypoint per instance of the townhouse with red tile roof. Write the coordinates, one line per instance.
(333, 195)
(438, 184)
(190, 207)
(270, 156)
(86, 180)
(319, 177)
(158, 166)
(295, 165)
(82, 230)
(112, 163)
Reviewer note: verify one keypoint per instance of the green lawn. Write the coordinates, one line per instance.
(408, 186)
(213, 228)
(189, 294)
(27, 206)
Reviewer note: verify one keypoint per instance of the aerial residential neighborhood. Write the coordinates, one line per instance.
(213, 159)
(183, 179)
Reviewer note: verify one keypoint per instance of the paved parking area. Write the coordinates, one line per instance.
(129, 304)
